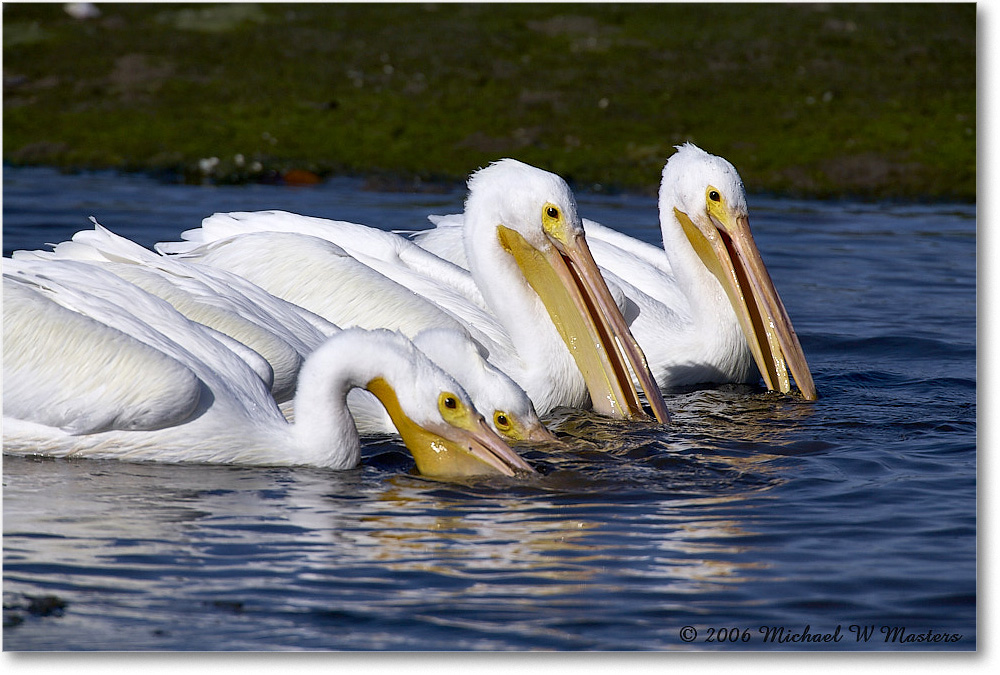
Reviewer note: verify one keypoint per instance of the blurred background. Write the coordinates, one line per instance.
(817, 100)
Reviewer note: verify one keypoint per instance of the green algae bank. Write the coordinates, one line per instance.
(860, 100)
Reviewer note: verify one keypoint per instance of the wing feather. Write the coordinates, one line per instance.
(321, 277)
(66, 370)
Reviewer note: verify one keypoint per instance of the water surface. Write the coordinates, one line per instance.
(755, 518)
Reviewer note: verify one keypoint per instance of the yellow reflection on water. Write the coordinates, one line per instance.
(525, 542)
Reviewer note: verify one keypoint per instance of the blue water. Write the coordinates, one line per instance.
(754, 518)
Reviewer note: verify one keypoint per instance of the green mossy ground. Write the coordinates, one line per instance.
(871, 100)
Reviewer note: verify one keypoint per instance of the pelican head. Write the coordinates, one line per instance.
(705, 195)
(435, 417)
(532, 214)
(505, 405)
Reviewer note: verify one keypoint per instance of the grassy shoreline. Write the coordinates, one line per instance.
(869, 101)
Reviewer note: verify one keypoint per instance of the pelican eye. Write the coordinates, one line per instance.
(452, 409)
(554, 222)
(501, 421)
(714, 195)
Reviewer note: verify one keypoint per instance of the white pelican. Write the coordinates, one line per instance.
(285, 333)
(562, 336)
(703, 308)
(84, 376)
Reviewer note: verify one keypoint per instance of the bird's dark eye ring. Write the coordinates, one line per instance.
(450, 402)
(552, 212)
(714, 196)
(502, 420)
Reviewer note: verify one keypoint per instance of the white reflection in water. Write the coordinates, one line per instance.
(103, 522)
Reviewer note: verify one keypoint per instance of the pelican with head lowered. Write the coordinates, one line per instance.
(94, 366)
(283, 333)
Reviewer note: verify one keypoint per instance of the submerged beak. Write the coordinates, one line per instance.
(473, 451)
(531, 431)
(539, 434)
(464, 446)
(577, 299)
(727, 248)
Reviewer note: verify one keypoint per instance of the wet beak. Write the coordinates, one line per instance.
(729, 251)
(576, 297)
(473, 451)
(539, 434)
(530, 432)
